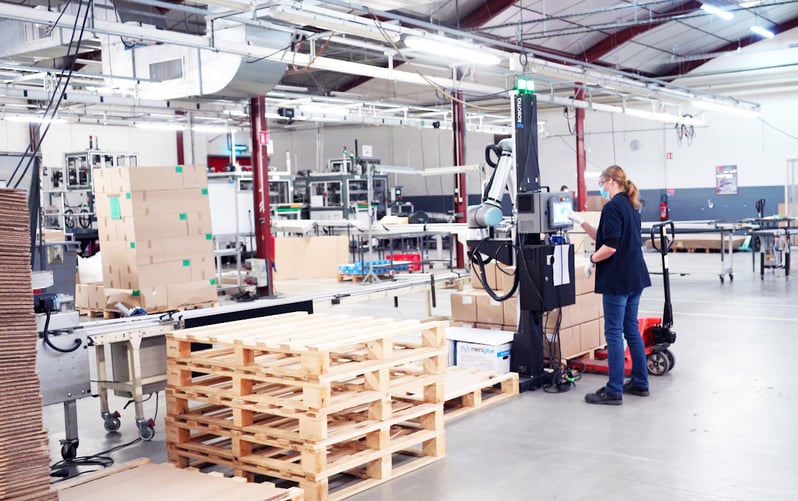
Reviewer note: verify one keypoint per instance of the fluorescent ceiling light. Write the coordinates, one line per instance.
(213, 129)
(723, 108)
(763, 32)
(310, 109)
(711, 9)
(290, 88)
(160, 126)
(452, 50)
(33, 119)
(746, 5)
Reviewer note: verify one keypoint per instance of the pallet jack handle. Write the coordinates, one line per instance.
(662, 238)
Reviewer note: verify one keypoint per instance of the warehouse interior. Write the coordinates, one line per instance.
(326, 250)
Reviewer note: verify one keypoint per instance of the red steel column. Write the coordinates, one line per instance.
(581, 154)
(181, 157)
(458, 141)
(264, 248)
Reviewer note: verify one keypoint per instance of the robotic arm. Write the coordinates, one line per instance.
(489, 212)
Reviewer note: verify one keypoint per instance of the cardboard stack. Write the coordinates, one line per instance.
(581, 327)
(582, 323)
(155, 235)
(24, 455)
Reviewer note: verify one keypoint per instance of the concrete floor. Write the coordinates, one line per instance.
(719, 426)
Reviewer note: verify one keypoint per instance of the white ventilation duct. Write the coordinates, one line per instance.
(171, 71)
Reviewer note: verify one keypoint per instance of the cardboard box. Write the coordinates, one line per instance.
(464, 306)
(505, 276)
(151, 298)
(203, 268)
(583, 284)
(511, 312)
(310, 257)
(191, 293)
(490, 276)
(151, 202)
(566, 345)
(489, 311)
(96, 296)
(174, 249)
(82, 296)
(485, 350)
(152, 275)
(118, 180)
(586, 308)
(195, 176)
(589, 335)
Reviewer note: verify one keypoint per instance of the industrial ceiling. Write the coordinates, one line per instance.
(336, 61)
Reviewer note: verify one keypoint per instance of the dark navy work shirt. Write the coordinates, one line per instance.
(619, 227)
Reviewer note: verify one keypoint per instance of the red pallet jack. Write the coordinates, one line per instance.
(657, 333)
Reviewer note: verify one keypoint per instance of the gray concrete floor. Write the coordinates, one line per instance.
(721, 425)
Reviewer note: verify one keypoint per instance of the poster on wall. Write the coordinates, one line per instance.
(726, 180)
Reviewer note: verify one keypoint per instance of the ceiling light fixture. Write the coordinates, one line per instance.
(717, 11)
(33, 119)
(160, 126)
(214, 129)
(311, 109)
(763, 32)
(451, 49)
(724, 108)
(748, 5)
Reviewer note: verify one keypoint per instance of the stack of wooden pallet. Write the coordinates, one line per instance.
(24, 457)
(314, 399)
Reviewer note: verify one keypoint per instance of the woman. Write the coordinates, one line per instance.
(621, 276)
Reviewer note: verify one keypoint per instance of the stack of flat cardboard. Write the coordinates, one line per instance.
(155, 236)
(24, 456)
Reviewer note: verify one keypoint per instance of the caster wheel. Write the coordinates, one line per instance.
(671, 359)
(69, 451)
(146, 431)
(658, 364)
(731, 277)
(112, 424)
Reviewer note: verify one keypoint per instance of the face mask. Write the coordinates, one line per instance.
(604, 193)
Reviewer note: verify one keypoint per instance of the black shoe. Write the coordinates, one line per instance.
(601, 397)
(629, 388)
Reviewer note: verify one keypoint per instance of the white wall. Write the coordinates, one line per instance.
(155, 148)
(753, 145)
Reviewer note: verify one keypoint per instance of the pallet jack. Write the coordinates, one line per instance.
(657, 333)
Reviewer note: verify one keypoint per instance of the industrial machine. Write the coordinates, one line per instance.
(538, 246)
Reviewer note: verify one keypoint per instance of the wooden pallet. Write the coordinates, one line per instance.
(361, 463)
(467, 390)
(89, 312)
(307, 398)
(142, 479)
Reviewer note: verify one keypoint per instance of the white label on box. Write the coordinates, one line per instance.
(467, 299)
(489, 358)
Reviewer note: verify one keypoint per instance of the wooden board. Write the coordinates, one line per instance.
(142, 480)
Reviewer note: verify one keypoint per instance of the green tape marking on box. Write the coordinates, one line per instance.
(128, 195)
(209, 236)
(136, 293)
(116, 209)
(183, 216)
(187, 262)
(213, 281)
(132, 245)
(204, 191)
(179, 169)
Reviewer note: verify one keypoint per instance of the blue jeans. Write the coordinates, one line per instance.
(620, 321)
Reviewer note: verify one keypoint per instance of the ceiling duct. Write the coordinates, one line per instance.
(164, 71)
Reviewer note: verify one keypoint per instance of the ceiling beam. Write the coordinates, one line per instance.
(689, 66)
(611, 42)
(484, 13)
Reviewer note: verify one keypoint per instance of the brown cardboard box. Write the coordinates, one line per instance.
(195, 176)
(589, 335)
(203, 268)
(133, 253)
(595, 202)
(511, 312)
(583, 284)
(151, 298)
(152, 202)
(494, 327)
(128, 179)
(586, 308)
(82, 296)
(96, 296)
(464, 306)
(457, 323)
(602, 340)
(568, 346)
(490, 276)
(199, 223)
(174, 249)
(310, 257)
(191, 293)
(505, 275)
(152, 275)
(489, 311)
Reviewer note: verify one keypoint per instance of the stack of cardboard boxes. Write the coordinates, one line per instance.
(155, 236)
(581, 326)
